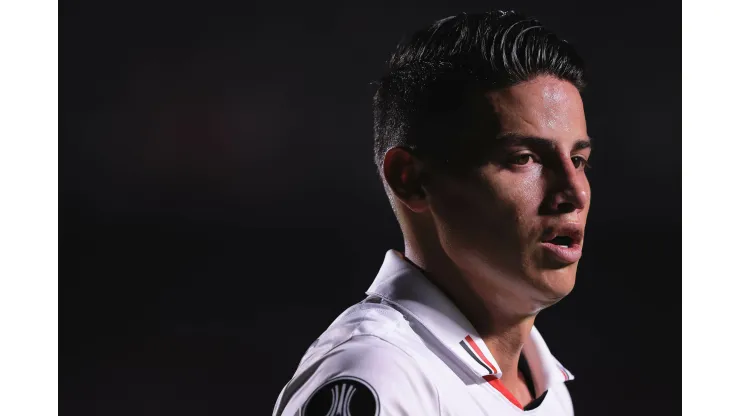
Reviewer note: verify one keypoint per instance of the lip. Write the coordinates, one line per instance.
(572, 230)
(563, 254)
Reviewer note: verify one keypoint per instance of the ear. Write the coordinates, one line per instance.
(403, 174)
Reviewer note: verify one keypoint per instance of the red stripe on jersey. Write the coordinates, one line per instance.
(498, 385)
(477, 350)
(564, 373)
(491, 379)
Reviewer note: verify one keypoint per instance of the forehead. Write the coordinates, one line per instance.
(543, 107)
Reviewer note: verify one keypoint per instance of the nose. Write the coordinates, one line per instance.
(570, 191)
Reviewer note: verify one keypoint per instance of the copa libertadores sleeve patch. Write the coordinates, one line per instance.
(343, 396)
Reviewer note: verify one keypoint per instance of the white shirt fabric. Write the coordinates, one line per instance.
(408, 350)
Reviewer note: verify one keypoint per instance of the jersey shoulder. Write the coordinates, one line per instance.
(372, 317)
(360, 366)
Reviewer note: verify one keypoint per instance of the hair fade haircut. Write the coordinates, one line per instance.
(428, 99)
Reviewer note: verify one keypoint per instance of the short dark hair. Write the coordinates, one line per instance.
(425, 101)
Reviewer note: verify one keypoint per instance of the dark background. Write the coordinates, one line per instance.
(220, 205)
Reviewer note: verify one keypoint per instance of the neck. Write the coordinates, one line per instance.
(503, 330)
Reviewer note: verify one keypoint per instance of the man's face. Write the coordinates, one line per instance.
(515, 224)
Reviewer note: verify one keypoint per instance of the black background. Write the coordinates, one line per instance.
(219, 205)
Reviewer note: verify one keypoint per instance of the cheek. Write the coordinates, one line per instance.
(458, 205)
(521, 193)
(499, 204)
(528, 193)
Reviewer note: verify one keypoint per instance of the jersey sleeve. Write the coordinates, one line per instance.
(363, 376)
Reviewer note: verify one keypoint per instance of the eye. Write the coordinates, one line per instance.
(580, 162)
(522, 159)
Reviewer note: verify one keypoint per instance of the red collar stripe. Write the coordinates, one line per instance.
(477, 350)
(498, 385)
(490, 378)
(562, 370)
(473, 356)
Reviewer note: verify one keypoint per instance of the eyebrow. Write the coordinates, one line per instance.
(534, 141)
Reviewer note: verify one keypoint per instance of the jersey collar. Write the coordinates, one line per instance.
(401, 284)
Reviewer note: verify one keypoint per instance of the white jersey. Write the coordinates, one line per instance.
(407, 350)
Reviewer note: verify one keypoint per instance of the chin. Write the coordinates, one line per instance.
(553, 285)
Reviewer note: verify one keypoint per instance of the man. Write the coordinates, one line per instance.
(481, 142)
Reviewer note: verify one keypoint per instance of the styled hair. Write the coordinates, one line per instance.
(429, 100)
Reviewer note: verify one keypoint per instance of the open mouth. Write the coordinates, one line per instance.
(563, 243)
(562, 240)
